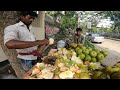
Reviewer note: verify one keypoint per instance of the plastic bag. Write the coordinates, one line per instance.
(61, 44)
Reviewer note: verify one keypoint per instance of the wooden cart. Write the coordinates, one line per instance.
(26, 75)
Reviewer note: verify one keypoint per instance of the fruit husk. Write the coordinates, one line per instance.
(118, 65)
(115, 75)
(96, 74)
(49, 60)
(84, 75)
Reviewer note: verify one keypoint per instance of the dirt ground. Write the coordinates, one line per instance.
(2, 55)
(111, 45)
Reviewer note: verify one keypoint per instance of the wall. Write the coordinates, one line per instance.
(51, 27)
(51, 30)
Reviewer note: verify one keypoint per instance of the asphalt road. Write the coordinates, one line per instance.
(111, 45)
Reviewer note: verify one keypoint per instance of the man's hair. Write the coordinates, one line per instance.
(31, 13)
(79, 29)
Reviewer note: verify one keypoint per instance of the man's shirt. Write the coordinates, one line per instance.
(19, 31)
(79, 39)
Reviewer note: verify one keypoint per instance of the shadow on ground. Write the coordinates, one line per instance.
(6, 71)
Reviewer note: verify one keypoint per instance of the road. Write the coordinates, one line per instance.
(111, 45)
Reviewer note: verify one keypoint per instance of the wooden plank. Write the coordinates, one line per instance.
(29, 72)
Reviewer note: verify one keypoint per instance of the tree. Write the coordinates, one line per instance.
(8, 18)
(91, 16)
(68, 19)
(115, 16)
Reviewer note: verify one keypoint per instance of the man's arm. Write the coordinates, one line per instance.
(83, 39)
(16, 44)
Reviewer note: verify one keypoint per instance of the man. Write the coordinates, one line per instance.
(79, 37)
(20, 37)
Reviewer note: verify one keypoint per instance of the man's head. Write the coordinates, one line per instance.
(27, 17)
(79, 31)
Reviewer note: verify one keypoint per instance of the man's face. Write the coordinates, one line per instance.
(78, 33)
(27, 19)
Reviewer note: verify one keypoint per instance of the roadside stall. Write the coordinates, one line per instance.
(76, 62)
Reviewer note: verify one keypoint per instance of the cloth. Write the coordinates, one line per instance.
(19, 31)
(28, 64)
(34, 53)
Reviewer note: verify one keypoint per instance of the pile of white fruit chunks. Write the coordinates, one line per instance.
(77, 62)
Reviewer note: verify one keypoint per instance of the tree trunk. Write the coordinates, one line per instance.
(114, 28)
(8, 18)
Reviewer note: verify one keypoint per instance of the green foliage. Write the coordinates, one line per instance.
(68, 19)
(94, 29)
(68, 22)
(115, 16)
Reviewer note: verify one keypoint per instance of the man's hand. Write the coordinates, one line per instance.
(46, 41)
